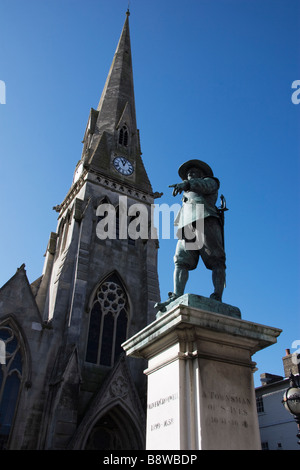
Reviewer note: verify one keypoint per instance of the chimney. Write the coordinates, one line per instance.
(291, 363)
(267, 379)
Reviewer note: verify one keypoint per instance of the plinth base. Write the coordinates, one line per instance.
(204, 303)
(200, 382)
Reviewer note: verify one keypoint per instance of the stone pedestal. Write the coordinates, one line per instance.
(200, 376)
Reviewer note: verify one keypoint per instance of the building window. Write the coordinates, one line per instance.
(130, 240)
(10, 379)
(264, 446)
(259, 405)
(108, 323)
(123, 136)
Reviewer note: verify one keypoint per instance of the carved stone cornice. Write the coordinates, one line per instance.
(74, 190)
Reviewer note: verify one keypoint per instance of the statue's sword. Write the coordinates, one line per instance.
(222, 209)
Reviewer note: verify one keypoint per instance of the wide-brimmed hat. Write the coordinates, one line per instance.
(204, 167)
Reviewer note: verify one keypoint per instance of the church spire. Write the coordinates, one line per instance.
(118, 91)
(112, 128)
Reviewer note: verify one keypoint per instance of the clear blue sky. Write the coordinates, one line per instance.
(212, 81)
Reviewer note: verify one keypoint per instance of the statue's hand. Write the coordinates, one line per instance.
(179, 187)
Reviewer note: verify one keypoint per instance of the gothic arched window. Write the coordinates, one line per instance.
(108, 323)
(10, 380)
(123, 136)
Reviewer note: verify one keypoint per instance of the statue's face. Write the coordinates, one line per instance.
(194, 173)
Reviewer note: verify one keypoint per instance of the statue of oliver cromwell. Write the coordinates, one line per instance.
(200, 193)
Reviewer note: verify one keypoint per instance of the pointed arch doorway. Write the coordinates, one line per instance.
(114, 430)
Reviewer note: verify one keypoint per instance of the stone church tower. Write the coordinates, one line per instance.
(65, 382)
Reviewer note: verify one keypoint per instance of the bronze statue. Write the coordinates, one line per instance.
(199, 186)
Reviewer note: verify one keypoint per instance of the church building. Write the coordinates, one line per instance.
(65, 382)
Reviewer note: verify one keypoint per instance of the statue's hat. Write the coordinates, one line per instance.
(204, 167)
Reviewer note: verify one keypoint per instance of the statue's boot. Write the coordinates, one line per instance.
(161, 306)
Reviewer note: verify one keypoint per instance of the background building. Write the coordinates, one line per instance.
(277, 427)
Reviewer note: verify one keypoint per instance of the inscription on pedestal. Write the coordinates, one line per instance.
(226, 410)
(162, 410)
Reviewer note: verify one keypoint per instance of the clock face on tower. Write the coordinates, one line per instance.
(123, 166)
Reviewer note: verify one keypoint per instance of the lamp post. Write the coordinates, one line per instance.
(291, 400)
